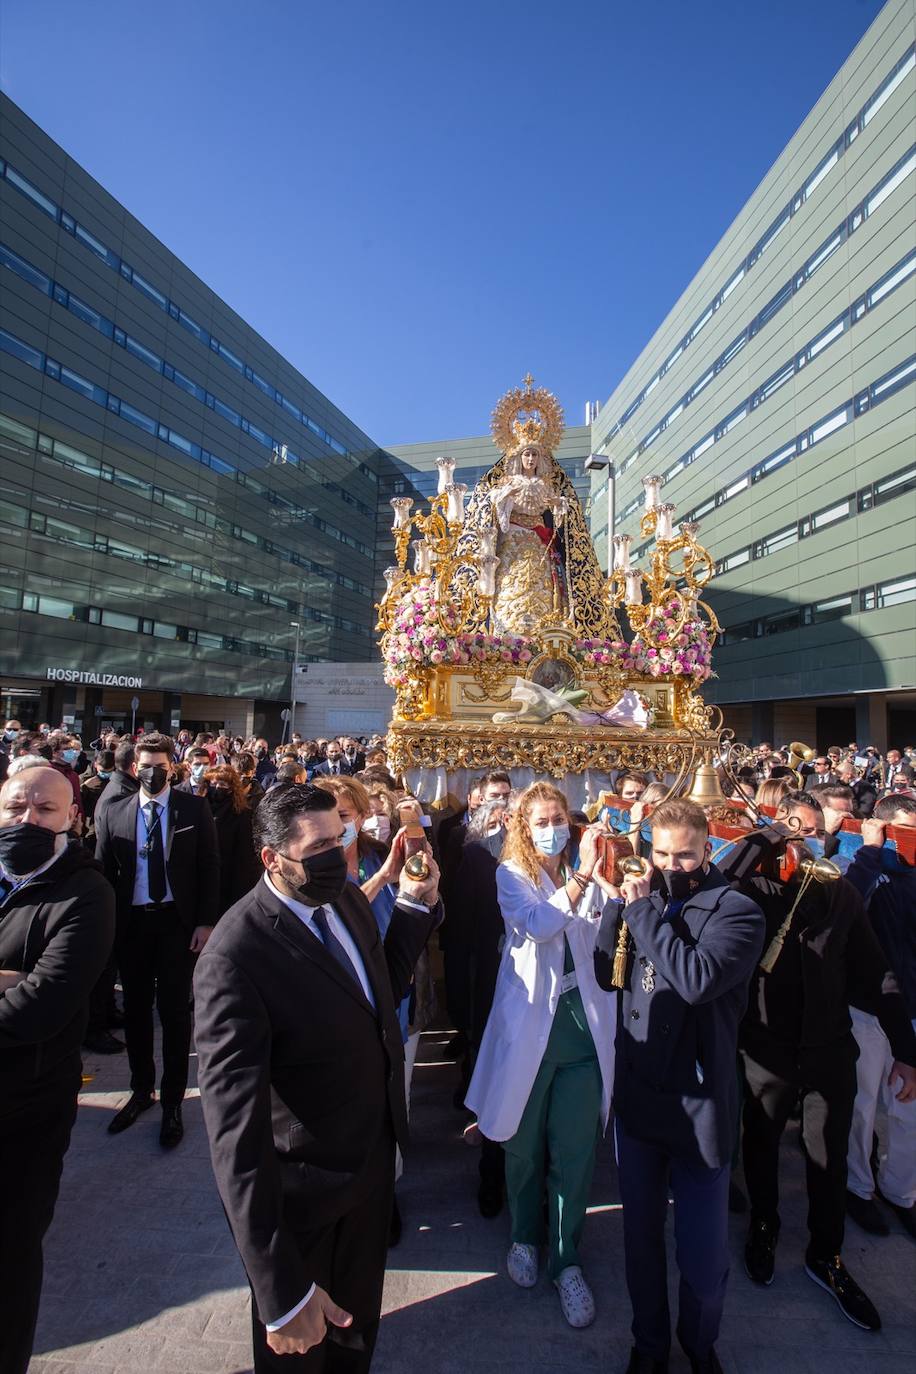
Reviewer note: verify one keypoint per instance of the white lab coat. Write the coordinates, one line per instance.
(536, 918)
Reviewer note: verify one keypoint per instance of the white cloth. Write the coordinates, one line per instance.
(141, 878)
(432, 785)
(536, 918)
(897, 1150)
(306, 915)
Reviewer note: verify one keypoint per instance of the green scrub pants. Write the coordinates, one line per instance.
(553, 1150)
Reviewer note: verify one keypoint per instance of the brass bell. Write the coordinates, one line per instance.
(417, 867)
(821, 870)
(705, 788)
(636, 867)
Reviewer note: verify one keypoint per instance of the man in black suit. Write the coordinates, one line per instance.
(301, 1072)
(123, 781)
(56, 928)
(158, 849)
(336, 763)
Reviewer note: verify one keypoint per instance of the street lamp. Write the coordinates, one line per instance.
(295, 625)
(597, 462)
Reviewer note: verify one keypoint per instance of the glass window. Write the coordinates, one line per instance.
(776, 381)
(892, 381)
(888, 487)
(89, 316)
(704, 381)
(822, 254)
(86, 388)
(19, 349)
(209, 641)
(818, 175)
(12, 429)
(145, 355)
(150, 291)
(833, 422)
(95, 245)
(892, 280)
(734, 560)
(823, 518)
(227, 412)
(230, 357)
(197, 330)
(734, 489)
(35, 196)
(778, 624)
(772, 543)
(162, 630)
(50, 605)
(886, 90)
(191, 387)
(136, 417)
(25, 270)
(895, 593)
(730, 285)
(890, 184)
(823, 340)
(116, 621)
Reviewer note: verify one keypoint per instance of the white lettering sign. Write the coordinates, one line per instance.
(92, 679)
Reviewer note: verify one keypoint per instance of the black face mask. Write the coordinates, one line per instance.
(26, 846)
(153, 777)
(325, 877)
(681, 885)
(219, 798)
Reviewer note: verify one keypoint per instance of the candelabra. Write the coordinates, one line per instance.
(436, 558)
(670, 584)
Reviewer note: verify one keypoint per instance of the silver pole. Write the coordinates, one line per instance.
(293, 684)
(611, 515)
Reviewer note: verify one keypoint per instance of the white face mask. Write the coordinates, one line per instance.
(349, 834)
(551, 839)
(379, 826)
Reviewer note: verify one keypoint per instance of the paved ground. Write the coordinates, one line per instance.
(141, 1272)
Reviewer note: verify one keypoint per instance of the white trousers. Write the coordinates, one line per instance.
(897, 1153)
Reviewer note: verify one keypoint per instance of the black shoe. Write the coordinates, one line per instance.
(709, 1364)
(737, 1202)
(135, 1106)
(394, 1226)
(101, 1042)
(641, 1363)
(490, 1199)
(865, 1213)
(905, 1215)
(172, 1129)
(760, 1252)
(833, 1276)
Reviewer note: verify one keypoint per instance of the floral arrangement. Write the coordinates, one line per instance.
(687, 654)
(424, 634)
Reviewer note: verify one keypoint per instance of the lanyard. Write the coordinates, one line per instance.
(150, 830)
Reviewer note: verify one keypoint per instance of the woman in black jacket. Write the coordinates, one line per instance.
(239, 866)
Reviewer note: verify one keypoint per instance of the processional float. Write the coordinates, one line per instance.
(507, 647)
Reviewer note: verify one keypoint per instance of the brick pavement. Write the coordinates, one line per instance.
(141, 1272)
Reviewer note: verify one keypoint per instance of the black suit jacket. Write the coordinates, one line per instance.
(324, 770)
(191, 862)
(302, 1082)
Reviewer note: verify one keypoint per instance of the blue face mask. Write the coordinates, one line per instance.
(197, 771)
(106, 776)
(349, 834)
(551, 839)
(70, 755)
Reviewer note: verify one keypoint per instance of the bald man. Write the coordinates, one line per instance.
(56, 931)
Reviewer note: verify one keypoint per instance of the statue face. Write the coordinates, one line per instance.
(530, 457)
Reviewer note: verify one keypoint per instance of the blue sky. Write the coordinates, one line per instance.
(417, 202)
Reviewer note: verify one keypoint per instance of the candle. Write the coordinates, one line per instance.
(486, 581)
(622, 552)
(446, 468)
(455, 491)
(392, 575)
(663, 527)
(634, 587)
(689, 528)
(652, 486)
(487, 543)
(401, 506)
(422, 562)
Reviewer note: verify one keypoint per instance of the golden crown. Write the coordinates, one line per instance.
(527, 415)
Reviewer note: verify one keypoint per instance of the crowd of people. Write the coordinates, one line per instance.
(289, 908)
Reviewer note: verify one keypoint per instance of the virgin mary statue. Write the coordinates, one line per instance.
(547, 574)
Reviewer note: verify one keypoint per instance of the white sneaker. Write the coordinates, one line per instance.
(575, 1297)
(522, 1263)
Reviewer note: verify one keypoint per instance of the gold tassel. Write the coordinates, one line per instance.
(768, 962)
(619, 975)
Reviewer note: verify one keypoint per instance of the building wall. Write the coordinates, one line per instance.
(174, 493)
(777, 399)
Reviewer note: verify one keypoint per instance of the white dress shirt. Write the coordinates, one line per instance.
(306, 916)
(141, 881)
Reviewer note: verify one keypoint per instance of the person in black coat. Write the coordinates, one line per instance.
(56, 929)
(239, 866)
(336, 763)
(301, 1073)
(692, 947)
(123, 782)
(821, 954)
(158, 849)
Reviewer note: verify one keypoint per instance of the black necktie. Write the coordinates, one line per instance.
(155, 856)
(332, 944)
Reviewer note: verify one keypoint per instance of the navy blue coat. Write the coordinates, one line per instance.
(676, 1080)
